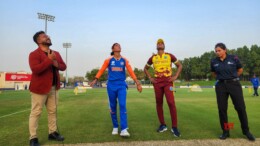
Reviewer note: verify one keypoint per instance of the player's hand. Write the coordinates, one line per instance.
(172, 79)
(51, 55)
(153, 80)
(139, 88)
(55, 63)
(93, 83)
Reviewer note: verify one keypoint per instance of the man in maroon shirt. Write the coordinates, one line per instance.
(45, 83)
(163, 84)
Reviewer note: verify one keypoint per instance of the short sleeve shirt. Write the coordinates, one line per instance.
(162, 64)
(226, 69)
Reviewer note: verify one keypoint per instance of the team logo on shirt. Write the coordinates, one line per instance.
(113, 63)
(122, 63)
(165, 57)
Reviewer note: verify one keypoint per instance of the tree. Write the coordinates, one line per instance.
(91, 75)
(62, 78)
(186, 69)
(139, 73)
(254, 60)
(78, 79)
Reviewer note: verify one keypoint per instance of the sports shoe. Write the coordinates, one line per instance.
(55, 136)
(224, 135)
(162, 128)
(176, 132)
(124, 133)
(115, 131)
(34, 142)
(249, 136)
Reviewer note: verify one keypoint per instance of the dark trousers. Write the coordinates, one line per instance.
(234, 89)
(161, 88)
(255, 91)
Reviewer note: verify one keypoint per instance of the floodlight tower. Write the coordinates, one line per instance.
(46, 17)
(66, 45)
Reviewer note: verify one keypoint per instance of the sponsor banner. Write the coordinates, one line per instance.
(17, 77)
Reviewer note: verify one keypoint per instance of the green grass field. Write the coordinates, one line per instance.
(85, 118)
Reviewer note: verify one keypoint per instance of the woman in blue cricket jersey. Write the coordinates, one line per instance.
(116, 87)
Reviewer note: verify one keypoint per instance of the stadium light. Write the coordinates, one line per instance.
(46, 17)
(66, 45)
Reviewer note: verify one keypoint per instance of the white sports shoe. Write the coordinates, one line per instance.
(124, 133)
(115, 131)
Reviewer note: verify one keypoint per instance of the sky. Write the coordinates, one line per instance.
(189, 28)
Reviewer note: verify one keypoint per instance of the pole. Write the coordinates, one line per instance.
(67, 66)
(66, 46)
(46, 25)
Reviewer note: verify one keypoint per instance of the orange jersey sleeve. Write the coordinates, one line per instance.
(129, 69)
(103, 68)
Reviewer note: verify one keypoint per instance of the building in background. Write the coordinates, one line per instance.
(15, 80)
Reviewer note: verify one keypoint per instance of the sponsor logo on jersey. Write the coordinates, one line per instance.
(159, 62)
(117, 69)
(122, 63)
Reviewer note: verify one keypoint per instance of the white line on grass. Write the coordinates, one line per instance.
(14, 113)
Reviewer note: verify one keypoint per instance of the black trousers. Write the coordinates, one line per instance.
(234, 90)
(255, 91)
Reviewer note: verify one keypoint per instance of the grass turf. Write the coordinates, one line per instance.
(85, 118)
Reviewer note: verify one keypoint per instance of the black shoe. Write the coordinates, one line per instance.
(249, 136)
(34, 142)
(224, 135)
(162, 128)
(176, 132)
(55, 136)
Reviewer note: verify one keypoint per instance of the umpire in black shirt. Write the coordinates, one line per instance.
(227, 68)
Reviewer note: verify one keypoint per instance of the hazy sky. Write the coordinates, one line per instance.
(188, 27)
